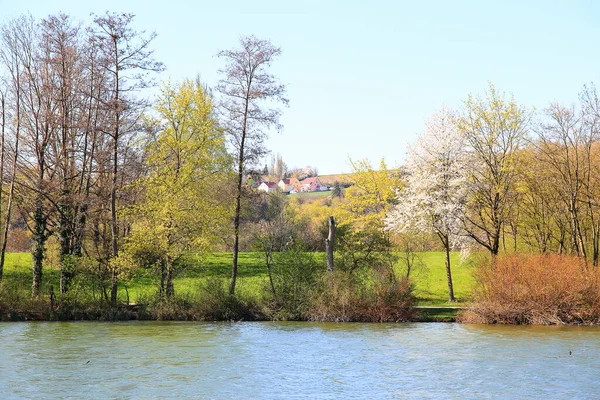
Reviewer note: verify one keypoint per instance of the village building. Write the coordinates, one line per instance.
(289, 185)
(312, 185)
(269, 187)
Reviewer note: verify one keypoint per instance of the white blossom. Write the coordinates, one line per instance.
(435, 194)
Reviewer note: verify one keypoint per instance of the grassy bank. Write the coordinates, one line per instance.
(430, 282)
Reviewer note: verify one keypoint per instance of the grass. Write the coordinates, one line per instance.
(431, 285)
(344, 179)
(312, 195)
(436, 314)
(18, 270)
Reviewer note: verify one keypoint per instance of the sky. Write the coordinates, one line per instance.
(361, 76)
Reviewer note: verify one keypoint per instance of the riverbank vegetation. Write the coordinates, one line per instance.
(300, 290)
(124, 201)
(541, 289)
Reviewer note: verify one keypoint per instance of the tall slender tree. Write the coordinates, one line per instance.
(31, 112)
(245, 88)
(128, 60)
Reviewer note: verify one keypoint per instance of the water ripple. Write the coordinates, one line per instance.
(296, 361)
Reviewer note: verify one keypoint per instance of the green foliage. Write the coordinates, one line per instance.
(295, 275)
(337, 190)
(361, 238)
(201, 289)
(216, 304)
(432, 289)
(181, 211)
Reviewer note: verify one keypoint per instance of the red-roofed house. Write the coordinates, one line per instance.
(269, 187)
(289, 184)
(310, 184)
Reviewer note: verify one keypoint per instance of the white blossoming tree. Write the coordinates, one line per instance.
(435, 195)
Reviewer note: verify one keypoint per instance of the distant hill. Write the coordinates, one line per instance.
(346, 179)
(343, 179)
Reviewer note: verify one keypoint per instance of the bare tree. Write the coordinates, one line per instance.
(2, 158)
(62, 59)
(31, 109)
(2, 153)
(128, 60)
(567, 148)
(11, 190)
(590, 103)
(245, 87)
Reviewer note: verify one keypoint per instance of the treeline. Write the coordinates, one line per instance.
(88, 161)
(121, 182)
(70, 112)
(116, 183)
(497, 175)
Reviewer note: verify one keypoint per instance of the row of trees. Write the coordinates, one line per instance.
(499, 176)
(119, 180)
(69, 114)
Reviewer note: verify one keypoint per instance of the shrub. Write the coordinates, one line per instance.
(374, 296)
(214, 303)
(16, 303)
(535, 289)
(295, 274)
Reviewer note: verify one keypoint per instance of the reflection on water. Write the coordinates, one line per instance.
(267, 360)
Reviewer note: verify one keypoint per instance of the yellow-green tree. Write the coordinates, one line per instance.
(361, 214)
(495, 128)
(181, 213)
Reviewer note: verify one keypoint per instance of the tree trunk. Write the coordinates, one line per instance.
(596, 230)
(446, 242)
(236, 232)
(268, 260)
(170, 289)
(238, 201)
(113, 217)
(329, 243)
(163, 280)
(2, 122)
(66, 259)
(39, 246)
(40, 221)
(449, 273)
(113, 286)
(115, 170)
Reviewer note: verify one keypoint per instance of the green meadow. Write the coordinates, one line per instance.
(430, 279)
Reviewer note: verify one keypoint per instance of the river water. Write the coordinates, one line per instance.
(264, 360)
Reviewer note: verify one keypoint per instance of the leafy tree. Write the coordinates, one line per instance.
(544, 217)
(435, 195)
(245, 87)
(360, 216)
(181, 213)
(495, 129)
(310, 220)
(337, 190)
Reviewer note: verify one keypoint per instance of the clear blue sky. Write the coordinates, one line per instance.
(363, 76)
